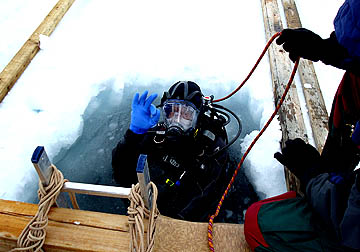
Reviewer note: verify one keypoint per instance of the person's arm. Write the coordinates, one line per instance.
(350, 225)
(144, 115)
(124, 158)
(337, 56)
(328, 198)
(328, 194)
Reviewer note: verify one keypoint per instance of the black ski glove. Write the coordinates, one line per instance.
(300, 158)
(301, 43)
(304, 43)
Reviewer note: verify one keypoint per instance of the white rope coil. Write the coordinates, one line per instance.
(137, 212)
(32, 238)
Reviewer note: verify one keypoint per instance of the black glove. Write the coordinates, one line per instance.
(304, 43)
(301, 43)
(300, 158)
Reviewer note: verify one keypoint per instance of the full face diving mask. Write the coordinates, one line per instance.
(179, 115)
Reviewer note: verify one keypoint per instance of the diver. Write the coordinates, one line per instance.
(186, 150)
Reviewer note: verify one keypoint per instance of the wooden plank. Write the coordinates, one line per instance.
(290, 114)
(177, 235)
(76, 230)
(310, 85)
(68, 229)
(65, 215)
(22, 59)
(64, 236)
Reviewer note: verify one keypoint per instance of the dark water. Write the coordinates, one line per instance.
(106, 119)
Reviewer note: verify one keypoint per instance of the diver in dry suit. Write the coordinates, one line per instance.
(185, 151)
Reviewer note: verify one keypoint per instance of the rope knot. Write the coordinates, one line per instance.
(137, 212)
(32, 238)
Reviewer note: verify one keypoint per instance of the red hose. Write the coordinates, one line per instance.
(211, 220)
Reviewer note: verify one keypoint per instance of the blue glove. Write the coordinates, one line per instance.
(355, 137)
(144, 114)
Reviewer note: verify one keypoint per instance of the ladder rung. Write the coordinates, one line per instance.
(97, 190)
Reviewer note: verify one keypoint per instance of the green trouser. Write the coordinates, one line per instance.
(286, 223)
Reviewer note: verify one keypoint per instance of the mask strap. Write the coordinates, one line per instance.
(186, 89)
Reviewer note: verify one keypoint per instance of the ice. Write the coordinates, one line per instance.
(75, 96)
(18, 20)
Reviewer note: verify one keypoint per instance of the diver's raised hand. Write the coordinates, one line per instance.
(144, 114)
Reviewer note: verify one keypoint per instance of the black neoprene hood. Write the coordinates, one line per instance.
(184, 90)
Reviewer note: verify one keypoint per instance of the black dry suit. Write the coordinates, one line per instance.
(190, 181)
(189, 170)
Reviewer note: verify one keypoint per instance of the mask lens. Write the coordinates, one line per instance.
(179, 113)
(188, 113)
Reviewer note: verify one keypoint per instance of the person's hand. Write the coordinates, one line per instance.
(296, 153)
(300, 158)
(144, 114)
(301, 42)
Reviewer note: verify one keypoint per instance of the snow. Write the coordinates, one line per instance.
(18, 20)
(130, 46)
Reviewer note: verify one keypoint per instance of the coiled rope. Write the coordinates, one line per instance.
(212, 217)
(32, 238)
(137, 212)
